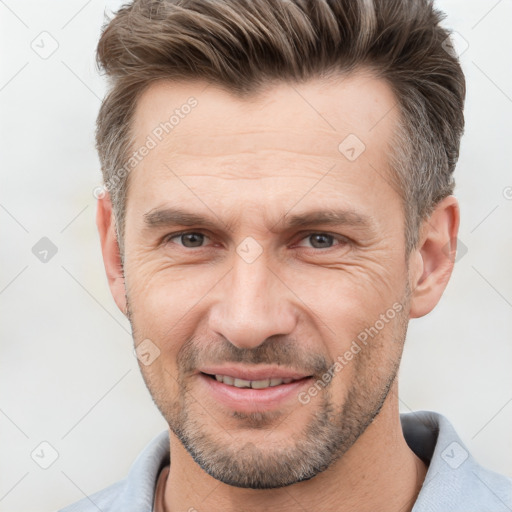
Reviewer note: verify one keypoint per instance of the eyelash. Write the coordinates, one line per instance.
(340, 239)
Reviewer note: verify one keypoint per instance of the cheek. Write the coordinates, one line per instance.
(161, 291)
(168, 307)
(351, 295)
(370, 358)
(355, 315)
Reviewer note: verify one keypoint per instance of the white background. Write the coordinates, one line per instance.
(68, 375)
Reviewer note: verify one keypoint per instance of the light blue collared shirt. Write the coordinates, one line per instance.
(455, 482)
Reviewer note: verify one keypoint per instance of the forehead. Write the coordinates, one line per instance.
(210, 141)
(357, 103)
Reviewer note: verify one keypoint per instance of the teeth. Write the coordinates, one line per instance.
(241, 383)
(259, 384)
(254, 384)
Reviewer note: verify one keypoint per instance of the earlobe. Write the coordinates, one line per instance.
(110, 250)
(431, 263)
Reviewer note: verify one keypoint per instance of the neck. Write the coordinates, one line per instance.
(379, 472)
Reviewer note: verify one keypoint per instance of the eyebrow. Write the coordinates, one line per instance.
(328, 217)
(168, 217)
(175, 217)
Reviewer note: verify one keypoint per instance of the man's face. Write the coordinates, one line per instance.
(265, 243)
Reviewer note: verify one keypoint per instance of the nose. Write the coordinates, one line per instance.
(252, 304)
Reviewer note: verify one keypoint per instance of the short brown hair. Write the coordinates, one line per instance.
(243, 45)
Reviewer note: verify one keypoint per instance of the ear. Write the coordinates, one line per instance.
(431, 263)
(110, 249)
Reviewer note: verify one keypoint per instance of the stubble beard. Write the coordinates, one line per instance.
(329, 433)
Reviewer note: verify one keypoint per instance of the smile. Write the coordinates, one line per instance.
(254, 384)
(252, 390)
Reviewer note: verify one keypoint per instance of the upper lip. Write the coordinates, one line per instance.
(247, 373)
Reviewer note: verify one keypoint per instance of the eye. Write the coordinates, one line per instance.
(189, 239)
(321, 241)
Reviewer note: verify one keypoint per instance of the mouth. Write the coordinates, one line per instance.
(252, 390)
(253, 384)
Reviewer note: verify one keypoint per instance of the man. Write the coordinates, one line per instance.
(278, 180)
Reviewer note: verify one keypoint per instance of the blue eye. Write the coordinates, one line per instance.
(321, 240)
(193, 239)
(190, 239)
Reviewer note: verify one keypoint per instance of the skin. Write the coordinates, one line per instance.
(248, 165)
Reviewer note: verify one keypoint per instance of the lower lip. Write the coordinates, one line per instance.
(253, 400)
